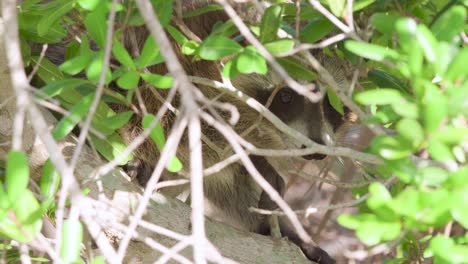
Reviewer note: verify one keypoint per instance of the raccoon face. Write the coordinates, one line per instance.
(314, 120)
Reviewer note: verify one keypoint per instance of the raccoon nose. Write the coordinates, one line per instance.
(315, 156)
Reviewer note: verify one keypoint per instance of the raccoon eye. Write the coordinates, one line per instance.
(286, 96)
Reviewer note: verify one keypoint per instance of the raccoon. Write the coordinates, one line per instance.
(231, 192)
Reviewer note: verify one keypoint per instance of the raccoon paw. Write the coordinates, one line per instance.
(317, 254)
(139, 170)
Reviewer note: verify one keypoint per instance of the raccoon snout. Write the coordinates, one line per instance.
(315, 156)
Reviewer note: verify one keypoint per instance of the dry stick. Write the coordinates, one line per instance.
(280, 125)
(21, 86)
(229, 135)
(167, 152)
(174, 250)
(24, 253)
(348, 102)
(100, 87)
(191, 111)
(324, 43)
(106, 168)
(38, 64)
(245, 31)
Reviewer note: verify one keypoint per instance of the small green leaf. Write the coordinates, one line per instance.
(457, 68)
(270, 23)
(67, 123)
(337, 7)
(17, 175)
(121, 54)
(157, 135)
(50, 180)
(384, 22)
(163, 10)
(150, 54)
(93, 72)
(96, 24)
(379, 97)
(47, 71)
(98, 260)
(335, 101)
(431, 176)
(60, 88)
(371, 51)
(25, 219)
(297, 70)
(411, 130)
(129, 80)
(189, 47)
(391, 148)
(71, 242)
(459, 212)
(434, 108)
(177, 35)
(52, 17)
(118, 120)
(384, 79)
(279, 46)
(111, 148)
(217, 47)
(159, 81)
(427, 42)
(250, 61)
(76, 65)
(202, 10)
(317, 29)
(230, 69)
(439, 151)
(450, 24)
(88, 4)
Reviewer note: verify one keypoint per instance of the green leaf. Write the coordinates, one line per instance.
(371, 51)
(384, 22)
(129, 80)
(189, 47)
(279, 46)
(270, 24)
(317, 29)
(95, 68)
(17, 175)
(177, 35)
(88, 4)
(431, 176)
(450, 24)
(159, 81)
(24, 221)
(457, 68)
(337, 7)
(335, 101)
(379, 97)
(391, 148)
(434, 108)
(411, 130)
(47, 71)
(121, 54)
(451, 135)
(118, 120)
(157, 135)
(250, 61)
(52, 17)
(71, 242)
(111, 148)
(439, 151)
(150, 54)
(163, 10)
(202, 10)
(230, 69)
(96, 24)
(459, 212)
(427, 42)
(50, 180)
(297, 70)
(406, 109)
(76, 65)
(67, 123)
(384, 79)
(98, 260)
(217, 47)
